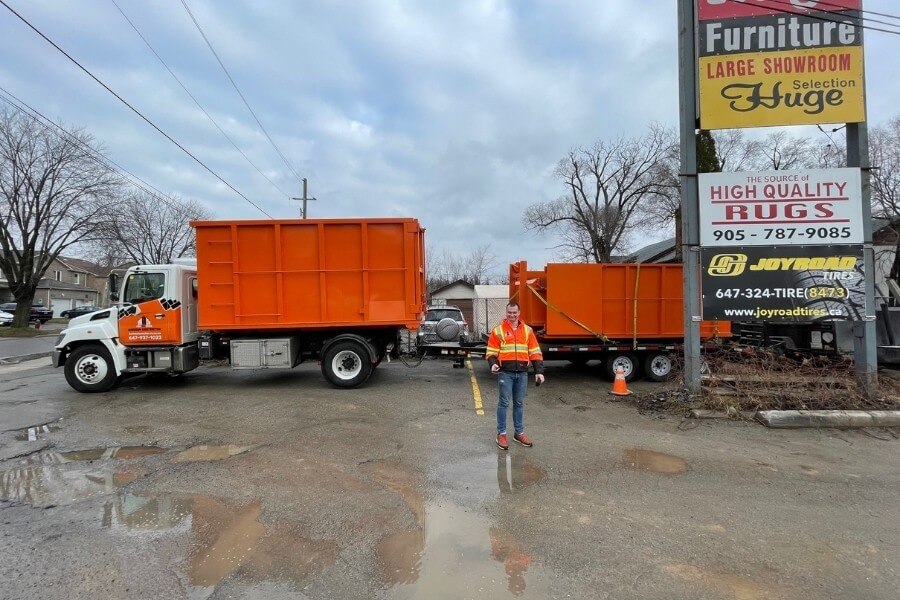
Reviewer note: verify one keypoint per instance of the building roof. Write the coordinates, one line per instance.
(492, 291)
(47, 283)
(659, 252)
(450, 285)
(81, 266)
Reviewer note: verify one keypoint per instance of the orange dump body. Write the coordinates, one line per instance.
(619, 300)
(310, 274)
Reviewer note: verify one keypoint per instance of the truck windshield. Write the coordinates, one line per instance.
(141, 287)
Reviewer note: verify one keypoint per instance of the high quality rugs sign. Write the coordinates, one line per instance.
(780, 62)
(783, 283)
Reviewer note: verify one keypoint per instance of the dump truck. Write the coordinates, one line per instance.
(628, 315)
(263, 294)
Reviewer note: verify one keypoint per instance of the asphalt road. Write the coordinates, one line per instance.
(275, 485)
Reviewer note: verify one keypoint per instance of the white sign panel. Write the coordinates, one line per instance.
(769, 208)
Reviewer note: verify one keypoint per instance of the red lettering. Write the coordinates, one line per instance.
(795, 211)
(771, 211)
(735, 213)
(823, 209)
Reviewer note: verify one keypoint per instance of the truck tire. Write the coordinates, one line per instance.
(347, 364)
(626, 361)
(90, 369)
(659, 366)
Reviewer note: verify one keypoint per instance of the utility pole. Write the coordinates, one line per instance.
(305, 199)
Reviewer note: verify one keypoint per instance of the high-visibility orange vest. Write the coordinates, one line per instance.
(507, 345)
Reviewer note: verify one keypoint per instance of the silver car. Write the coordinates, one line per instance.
(443, 324)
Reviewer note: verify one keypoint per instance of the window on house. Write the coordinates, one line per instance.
(77, 278)
(58, 275)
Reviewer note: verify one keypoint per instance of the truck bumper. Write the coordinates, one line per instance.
(56, 358)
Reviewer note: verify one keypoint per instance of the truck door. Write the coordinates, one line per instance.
(151, 315)
(189, 331)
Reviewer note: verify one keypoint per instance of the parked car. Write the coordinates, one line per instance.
(78, 311)
(38, 312)
(6, 319)
(442, 324)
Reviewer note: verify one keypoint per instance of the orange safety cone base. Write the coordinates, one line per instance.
(619, 386)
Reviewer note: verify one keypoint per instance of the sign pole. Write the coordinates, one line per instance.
(690, 221)
(865, 353)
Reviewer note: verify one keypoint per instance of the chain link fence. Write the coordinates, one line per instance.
(486, 314)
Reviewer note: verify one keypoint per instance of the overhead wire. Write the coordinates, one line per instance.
(192, 97)
(237, 89)
(103, 160)
(133, 109)
(819, 16)
(863, 11)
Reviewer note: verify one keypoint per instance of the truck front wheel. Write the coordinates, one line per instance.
(346, 364)
(90, 369)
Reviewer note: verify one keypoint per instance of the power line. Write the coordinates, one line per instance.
(869, 12)
(133, 109)
(205, 112)
(45, 122)
(231, 79)
(819, 17)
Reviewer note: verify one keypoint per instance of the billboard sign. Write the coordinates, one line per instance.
(811, 206)
(783, 283)
(780, 62)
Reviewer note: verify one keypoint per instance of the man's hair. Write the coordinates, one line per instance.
(512, 303)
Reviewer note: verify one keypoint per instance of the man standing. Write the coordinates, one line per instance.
(511, 349)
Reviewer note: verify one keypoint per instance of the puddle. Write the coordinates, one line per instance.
(33, 434)
(226, 540)
(515, 472)
(400, 479)
(736, 586)
(56, 485)
(654, 462)
(210, 453)
(60, 478)
(458, 553)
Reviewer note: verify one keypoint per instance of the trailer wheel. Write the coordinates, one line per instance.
(659, 366)
(347, 364)
(626, 362)
(90, 369)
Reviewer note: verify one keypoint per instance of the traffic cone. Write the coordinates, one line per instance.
(619, 387)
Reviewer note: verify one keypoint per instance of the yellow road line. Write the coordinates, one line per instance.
(476, 393)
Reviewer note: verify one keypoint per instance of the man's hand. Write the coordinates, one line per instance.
(495, 368)
(539, 379)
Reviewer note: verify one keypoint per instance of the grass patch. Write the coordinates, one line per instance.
(24, 332)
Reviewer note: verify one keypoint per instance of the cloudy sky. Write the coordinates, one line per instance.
(454, 112)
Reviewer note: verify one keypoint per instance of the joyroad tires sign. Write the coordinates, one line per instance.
(783, 283)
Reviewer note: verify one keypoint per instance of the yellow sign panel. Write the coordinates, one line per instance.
(799, 87)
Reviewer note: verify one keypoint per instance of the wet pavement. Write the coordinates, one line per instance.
(224, 484)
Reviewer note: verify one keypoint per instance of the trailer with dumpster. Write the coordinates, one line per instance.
(264, 295)
(629, 316)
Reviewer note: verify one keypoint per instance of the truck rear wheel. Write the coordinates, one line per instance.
(90, 369)
(626, 362)
(347, 364)
(659, 366)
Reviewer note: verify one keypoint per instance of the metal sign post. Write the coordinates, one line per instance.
(690, 221)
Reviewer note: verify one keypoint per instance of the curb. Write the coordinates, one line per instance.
(844, 419)
(746, 415)
(14, 360)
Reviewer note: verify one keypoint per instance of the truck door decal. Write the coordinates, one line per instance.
(153, 322)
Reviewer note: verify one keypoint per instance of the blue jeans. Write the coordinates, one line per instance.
(512, 386)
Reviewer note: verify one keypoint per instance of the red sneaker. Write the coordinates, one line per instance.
(523, 439)
(501, 442)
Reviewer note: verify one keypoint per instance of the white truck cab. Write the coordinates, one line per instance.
(152, 329)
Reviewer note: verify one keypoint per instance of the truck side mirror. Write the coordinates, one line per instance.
(113, 287)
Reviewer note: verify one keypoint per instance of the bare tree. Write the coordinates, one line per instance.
(54, 188)
(604, 185)
(147, 229)
(884, 154)
(735, 152)
(781, 152)
(443, 268)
